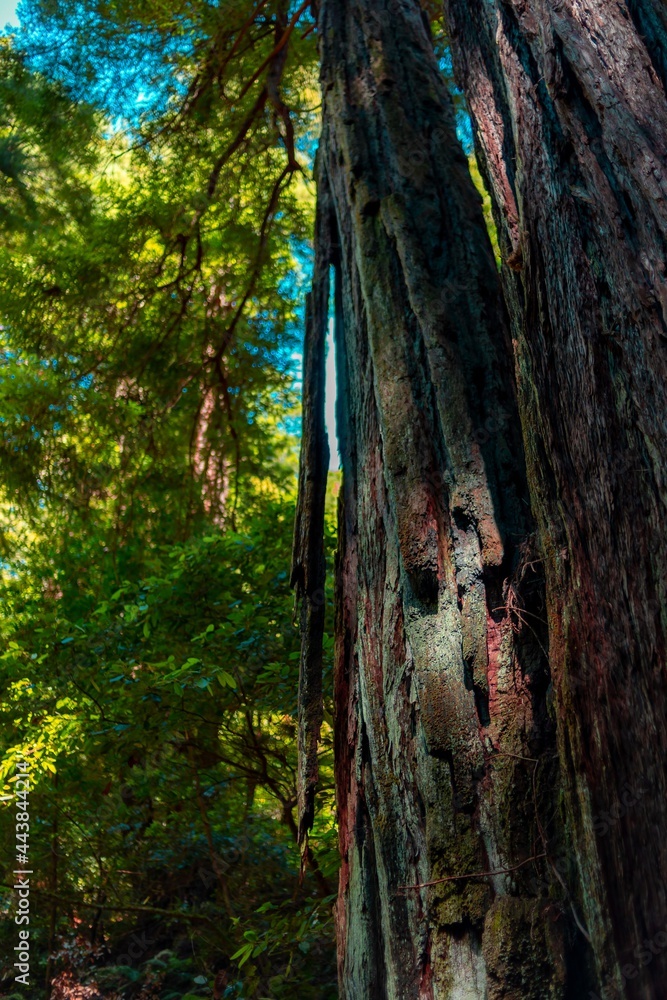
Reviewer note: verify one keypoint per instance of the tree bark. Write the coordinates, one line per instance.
(570, 119)
(446, 763)
(308, 574)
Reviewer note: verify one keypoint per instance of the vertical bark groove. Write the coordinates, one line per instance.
(308, 559)
(441, 675)
(570, 119)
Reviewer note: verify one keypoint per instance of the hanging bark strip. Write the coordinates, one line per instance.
(436, 577)
(570, 114)
(308, 560)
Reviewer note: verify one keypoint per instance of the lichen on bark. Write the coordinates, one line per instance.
(446, 766)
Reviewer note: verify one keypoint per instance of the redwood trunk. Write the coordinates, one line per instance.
(568, 102)
(446, 763)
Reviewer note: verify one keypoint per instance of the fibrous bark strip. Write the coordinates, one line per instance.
(308, 558)
(445, 749)
(570, 117)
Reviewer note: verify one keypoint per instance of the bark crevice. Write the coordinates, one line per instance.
(577, 167)
(308, 575)
(438, 667)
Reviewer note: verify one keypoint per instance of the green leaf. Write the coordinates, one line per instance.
(244, 953)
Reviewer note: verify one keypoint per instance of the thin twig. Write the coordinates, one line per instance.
(456, 878)
(543, 838)
(156, 910)
(278, 48)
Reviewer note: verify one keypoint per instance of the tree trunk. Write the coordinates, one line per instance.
(446, 762)
(570, 118)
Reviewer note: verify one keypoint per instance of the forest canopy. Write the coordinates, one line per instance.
(156, 210)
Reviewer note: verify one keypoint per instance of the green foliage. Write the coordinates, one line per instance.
(152, 256)
(152, 289)
(155, 216)
(486, 205)
(160, 723)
